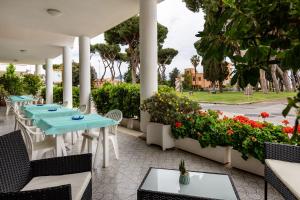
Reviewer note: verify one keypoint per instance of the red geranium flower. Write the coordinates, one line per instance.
(178, 124)
(285, 122)
(288, 129)
(264, 115)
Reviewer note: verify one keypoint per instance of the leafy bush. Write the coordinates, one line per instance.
(58, 95)
(124, 96)
(3, 93)
(11, 82)
(244, 135)
(206, 127)
(165, 107)
(248, 136)
(32, 84)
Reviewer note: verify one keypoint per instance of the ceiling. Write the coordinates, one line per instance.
(27, 25)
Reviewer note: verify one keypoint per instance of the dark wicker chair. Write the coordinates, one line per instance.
(280, 152)
(16, 171)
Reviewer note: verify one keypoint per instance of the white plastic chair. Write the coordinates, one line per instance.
(92, 135)
(9, 105)
(20, 117)
(35, 149)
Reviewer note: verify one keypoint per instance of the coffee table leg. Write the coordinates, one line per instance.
(105, 147)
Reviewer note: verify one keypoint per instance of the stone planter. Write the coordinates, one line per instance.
(131, 123)
(219, 154)
(160, 134)
(251, 165)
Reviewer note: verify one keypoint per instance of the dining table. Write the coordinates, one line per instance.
(21, 99)
(58, 126)
(37, 114)
(40, 106)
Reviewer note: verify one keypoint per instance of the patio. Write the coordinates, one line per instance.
(121, 179)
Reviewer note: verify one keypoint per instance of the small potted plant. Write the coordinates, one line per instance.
(184, 177)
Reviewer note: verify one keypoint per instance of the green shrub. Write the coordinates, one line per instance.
(11, 82)
(58, 95)
(32, 84)
(165, 107)
(244, 135)
(124, 96)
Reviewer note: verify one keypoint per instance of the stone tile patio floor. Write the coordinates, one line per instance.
(121, 179)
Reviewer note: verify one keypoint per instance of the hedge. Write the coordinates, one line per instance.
(58, 95)
(124, 96)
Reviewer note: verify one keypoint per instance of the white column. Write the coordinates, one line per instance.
(148, 53)
(67, 76)
(85, 70)
(38, 70)
(49, 81)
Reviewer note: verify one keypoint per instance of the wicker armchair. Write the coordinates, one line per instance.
(23, 179)
(282, 169)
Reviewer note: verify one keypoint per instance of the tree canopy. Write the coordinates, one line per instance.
(127, 34)
(254, 34)
(165, 57)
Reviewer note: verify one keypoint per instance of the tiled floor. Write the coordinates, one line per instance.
(121, 180)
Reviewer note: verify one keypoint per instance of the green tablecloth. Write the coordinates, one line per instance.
(36, 115)
(18, 99)
(41, 107)
(61, 125)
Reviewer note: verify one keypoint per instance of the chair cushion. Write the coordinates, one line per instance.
(78, 182)
(288, 173)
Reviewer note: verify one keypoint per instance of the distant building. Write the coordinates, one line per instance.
(200, 82)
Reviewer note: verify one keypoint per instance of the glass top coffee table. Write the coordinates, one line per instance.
(164, 184)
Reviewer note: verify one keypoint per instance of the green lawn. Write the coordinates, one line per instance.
(237, 97)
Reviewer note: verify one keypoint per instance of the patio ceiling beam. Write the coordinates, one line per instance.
(67, 76)
(49, 81)
(148, 53)
(84, 71)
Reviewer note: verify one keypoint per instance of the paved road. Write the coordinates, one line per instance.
(253, 110)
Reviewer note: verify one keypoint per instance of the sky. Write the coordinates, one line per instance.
(182, 25)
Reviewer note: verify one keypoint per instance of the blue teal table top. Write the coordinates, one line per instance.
(37, 114)
(16, 99)
(40, 106)
(61, 125)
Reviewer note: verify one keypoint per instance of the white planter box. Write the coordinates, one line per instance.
(160, 134)
(219, 154)
(251, 165)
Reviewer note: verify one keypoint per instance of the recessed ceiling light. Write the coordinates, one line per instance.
(22, 50)
(54, 12)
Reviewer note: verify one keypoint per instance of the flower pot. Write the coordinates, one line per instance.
(160, 134)
(218, 153)
(130, 123)
(124, 122)
(184, 179)
(251, 165)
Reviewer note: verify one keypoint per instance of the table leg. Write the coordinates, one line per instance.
(60, 146)
(105, 147)
(98, 149)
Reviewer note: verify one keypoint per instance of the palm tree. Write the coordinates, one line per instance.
(195, 60)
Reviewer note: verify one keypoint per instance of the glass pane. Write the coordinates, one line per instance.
(201, 184)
